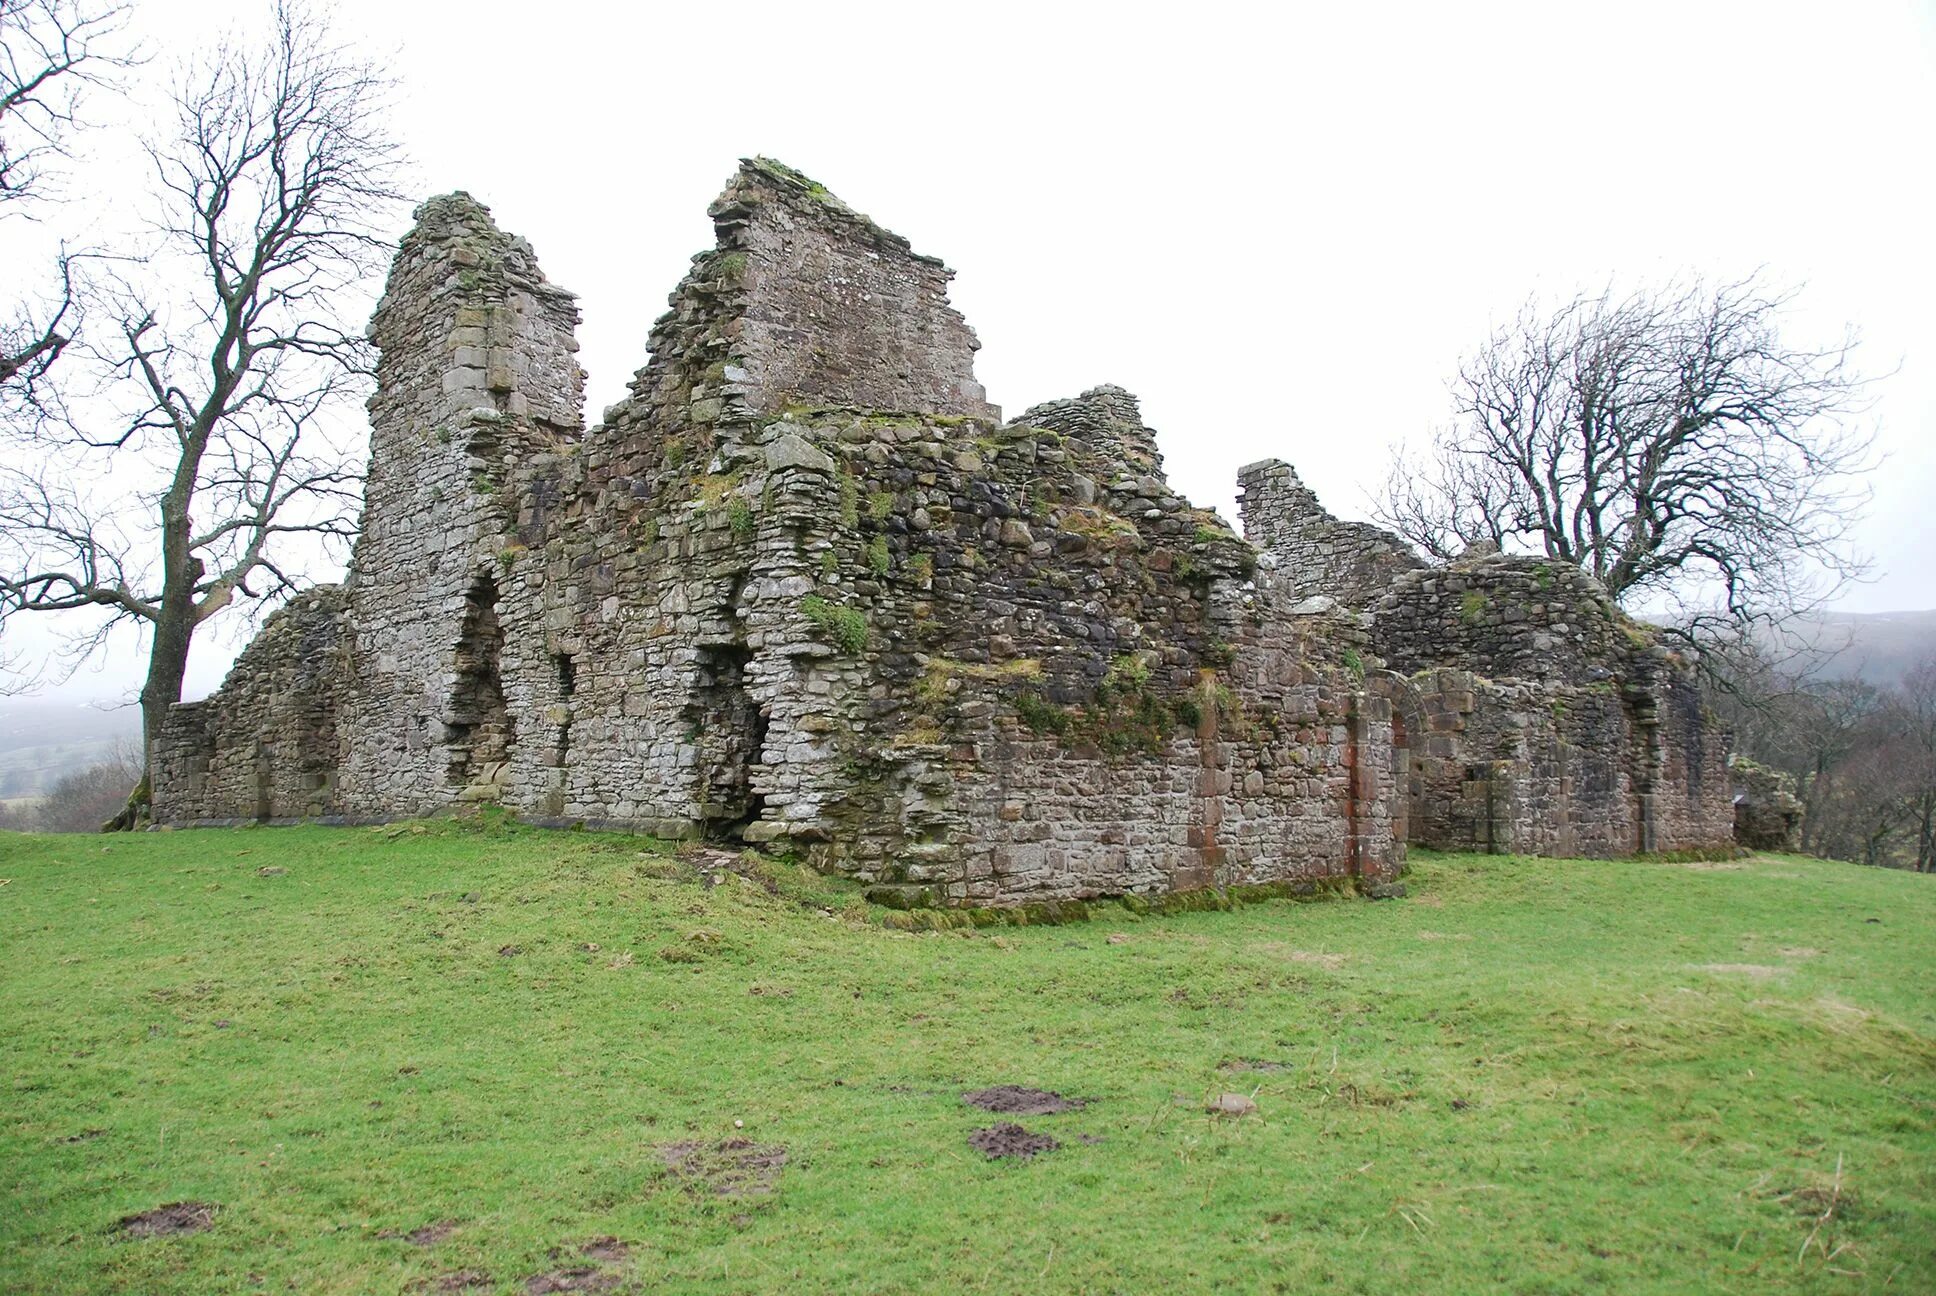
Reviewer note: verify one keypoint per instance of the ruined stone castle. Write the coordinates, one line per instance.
(805, 587)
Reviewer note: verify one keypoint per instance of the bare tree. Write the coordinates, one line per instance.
(1670, 443)
(80, 801)
(219, 360)
(50, 52)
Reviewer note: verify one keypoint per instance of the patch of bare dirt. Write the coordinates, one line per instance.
(458, 1280)
(578, 1278)
(171, 1220)
(606, 1250)
(428, 1235)
(736, 1167)
(1010, 1140)
(1019, 1100)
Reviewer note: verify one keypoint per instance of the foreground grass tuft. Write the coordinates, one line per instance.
(428, 1056)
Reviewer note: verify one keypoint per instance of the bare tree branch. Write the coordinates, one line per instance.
(51, 51)
(1670, 443)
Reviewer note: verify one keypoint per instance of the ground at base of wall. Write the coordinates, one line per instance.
(446, 1058)
(778, 874)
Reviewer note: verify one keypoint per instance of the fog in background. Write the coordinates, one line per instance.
(1280, 229)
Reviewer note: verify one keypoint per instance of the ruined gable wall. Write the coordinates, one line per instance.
(1311, 552)
(402, 710)
(839, 311)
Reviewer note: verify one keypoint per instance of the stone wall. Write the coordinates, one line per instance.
(1767, 813)
(476, 368)
(1506, 617)
(803, 587)
(1312, 552)
(267, 746)
(1551, 723)
(838, 311)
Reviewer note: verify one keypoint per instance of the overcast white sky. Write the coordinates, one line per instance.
(1279, 225)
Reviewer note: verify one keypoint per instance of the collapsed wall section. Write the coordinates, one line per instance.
(267, 745)
(1546, 722)
(1312, 553)
(1768, 815)
(1506, 617)
(1064, 694)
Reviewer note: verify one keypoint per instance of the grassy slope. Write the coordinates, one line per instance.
(1535, 1076)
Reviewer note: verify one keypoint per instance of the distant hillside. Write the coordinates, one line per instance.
(1877, 647)
(41, 740)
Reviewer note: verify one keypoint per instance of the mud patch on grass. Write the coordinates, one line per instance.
(428, 1235)
(1010, 1140)
(606, 1250)
(1019, 1100)
(171, 1220)
(458, 1280)
(736, 1167)
(579, 1278)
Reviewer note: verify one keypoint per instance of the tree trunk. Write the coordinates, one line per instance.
(174, 630)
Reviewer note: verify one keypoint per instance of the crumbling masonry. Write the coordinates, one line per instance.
(805, 587)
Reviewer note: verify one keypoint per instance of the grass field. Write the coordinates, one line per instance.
(1529, 1076)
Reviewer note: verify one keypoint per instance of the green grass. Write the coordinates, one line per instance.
(1530, 1076)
